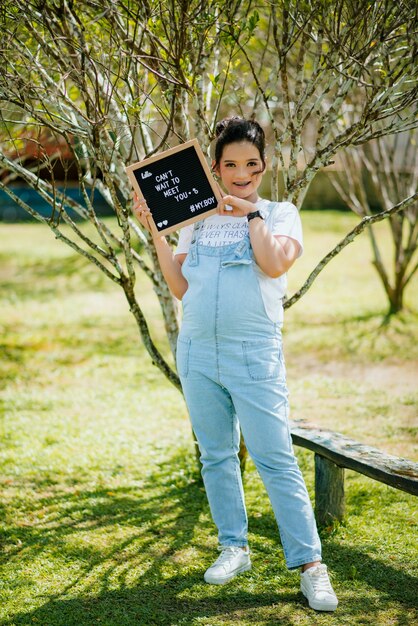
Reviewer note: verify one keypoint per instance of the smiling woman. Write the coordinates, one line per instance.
(241, 150)
(230, 271)
(240, 169)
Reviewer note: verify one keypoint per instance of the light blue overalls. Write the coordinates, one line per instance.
(230, 362)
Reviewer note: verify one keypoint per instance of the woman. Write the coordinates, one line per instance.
(229, 270)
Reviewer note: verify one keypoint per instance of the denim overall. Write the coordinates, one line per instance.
(230, 362)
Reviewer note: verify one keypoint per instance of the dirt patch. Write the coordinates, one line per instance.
(374, 403)
(401, 376)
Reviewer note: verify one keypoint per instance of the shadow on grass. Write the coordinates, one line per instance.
(159, 526)
(376, 319)
(149, 570)
(371, 334)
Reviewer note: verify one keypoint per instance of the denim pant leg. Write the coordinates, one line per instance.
(217, 431)
(262, 409)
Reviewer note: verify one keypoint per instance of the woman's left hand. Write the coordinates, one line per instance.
(239, 207)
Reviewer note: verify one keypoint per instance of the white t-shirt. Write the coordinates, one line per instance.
(281, 218)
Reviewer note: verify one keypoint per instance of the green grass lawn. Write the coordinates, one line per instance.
(104, 519)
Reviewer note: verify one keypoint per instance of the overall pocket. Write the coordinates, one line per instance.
(264, 359)
(182, 356)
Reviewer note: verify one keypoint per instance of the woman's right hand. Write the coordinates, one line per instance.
(141, 211)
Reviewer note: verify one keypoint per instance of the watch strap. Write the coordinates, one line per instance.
(253, 214)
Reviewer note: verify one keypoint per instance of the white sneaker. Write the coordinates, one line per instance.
(315, 586)
(231, 561)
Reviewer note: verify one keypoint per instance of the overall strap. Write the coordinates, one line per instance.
(192, 254)
(269, 210)
(242, 247)
(196, 230)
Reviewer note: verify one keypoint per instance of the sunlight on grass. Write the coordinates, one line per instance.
(104, 518)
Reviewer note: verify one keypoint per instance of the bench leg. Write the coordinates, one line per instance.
(329, 491)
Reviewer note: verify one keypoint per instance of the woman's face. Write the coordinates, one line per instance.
(241, 170)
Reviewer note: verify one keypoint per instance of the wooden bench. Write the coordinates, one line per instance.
(333, 453)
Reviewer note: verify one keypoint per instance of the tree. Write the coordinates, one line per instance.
(330, 75)
(391, 166)
(117, 80)
(112, 81)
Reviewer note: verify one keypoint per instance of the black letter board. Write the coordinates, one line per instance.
(177, 185)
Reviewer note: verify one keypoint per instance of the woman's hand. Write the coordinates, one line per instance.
(141, 211)
(239, 207)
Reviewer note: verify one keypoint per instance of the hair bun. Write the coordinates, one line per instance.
(223, 124)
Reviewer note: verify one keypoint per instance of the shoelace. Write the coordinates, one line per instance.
(320, 580)
(226, 555)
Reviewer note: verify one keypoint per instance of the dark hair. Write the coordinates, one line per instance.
(233, 129)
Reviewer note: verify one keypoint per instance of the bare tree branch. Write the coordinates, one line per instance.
(357, 230)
